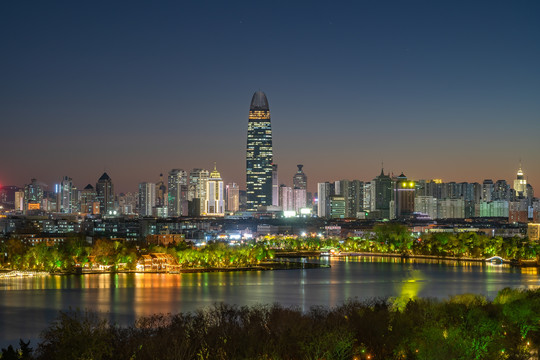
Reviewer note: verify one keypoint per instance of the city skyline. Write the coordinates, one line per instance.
(432, 90)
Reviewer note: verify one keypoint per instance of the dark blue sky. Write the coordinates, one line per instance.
(435, 89)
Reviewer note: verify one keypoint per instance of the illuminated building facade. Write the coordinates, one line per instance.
(33, 195)
(147, 198)
(177, 193)
(64, 192)
(324, 192)
(300, 179)
(197, 184)
(520, 184)
(214, 202)
(404, 196)
(233, 197)
(286, 196)
(259, 155)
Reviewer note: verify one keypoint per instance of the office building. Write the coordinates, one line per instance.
(233, 197)
(259, 154)
(105, 194)
(214, 201)
(147, 198)
(177, 194)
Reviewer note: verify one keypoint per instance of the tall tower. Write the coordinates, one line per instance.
(214, 202)
(147, 198)
(300, 179)
(64, 201)
(177, 192)
(259, 156)
(520, 184)
(275, 185)
(105, 194)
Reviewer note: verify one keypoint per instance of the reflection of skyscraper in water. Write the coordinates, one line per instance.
(259, 154)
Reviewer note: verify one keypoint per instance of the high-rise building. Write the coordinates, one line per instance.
(381, 195)
(404, 196)
(161, 192)
(259, 155)
(426, 205)
(128, 203)
(487, 189)
(275, 185)
(64, 195)
(33, 195)
(324, 192)
(105, 194)
(7, 196)
(177, 193)
(502, 191)
(233, 197)
(520, 184)
(299, 199)
(214, 201)
(197, 184)
(300, 179)
(337, 207)
(353, 192)
(147, 198)
(88, 197)
(286, 196)
(197, 191)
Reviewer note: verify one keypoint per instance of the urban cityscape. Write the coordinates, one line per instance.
(253, 181)
(186, 202)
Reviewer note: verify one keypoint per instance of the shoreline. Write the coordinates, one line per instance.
(272, 265)
(301, 254)
(263, 266)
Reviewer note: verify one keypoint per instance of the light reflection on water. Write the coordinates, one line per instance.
(27, 305)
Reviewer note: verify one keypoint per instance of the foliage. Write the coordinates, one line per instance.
(395, 238)
(462, 327)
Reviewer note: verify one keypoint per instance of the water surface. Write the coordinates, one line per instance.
(28, 305)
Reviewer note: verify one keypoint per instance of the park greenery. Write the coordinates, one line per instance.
(394, 238)
(75, 253)
(463, 327)
(389, 238)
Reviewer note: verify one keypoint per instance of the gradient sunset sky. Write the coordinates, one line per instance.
(436, 89)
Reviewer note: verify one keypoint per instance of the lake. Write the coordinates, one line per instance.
(28, 305)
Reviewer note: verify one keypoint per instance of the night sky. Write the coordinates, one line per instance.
(436, 89)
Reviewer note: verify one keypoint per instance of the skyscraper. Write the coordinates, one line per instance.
(147, 198)
(259, 155)
(177, 193)
(300, 179)
(275, 185)
(233, 197)
(214, 202)
(325, 191)
(105, 194)
(520, 184)
(381, 195)
(64, 191)
(197, 184)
